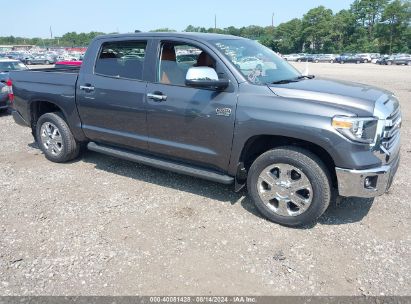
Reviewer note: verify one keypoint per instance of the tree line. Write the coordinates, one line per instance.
(382, 26)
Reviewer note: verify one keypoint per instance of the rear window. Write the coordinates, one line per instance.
(121, 59)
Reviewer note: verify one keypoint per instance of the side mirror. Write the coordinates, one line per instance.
(205, 77)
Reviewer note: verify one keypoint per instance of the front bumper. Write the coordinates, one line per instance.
(353, 182)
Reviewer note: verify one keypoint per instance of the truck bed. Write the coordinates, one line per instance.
(37, 86)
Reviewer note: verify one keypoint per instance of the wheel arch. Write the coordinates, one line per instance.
(258, 144)
(40, 107)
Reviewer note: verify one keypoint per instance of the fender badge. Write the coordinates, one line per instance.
(223, 112)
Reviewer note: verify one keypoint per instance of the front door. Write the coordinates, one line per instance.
(185, 123)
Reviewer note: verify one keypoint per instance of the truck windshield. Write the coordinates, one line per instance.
(257, 63)
(6, 66)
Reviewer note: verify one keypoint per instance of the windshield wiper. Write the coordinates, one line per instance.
(306, 77)
(283, 81)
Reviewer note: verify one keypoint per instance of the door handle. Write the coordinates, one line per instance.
(157, 97)
(87, 88)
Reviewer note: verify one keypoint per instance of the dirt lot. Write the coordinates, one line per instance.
(103, 226)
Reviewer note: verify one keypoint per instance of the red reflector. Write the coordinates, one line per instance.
(11, 95)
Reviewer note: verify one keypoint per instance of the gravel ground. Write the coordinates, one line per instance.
(103, 226)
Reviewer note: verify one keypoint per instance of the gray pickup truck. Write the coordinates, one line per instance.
(221, 108)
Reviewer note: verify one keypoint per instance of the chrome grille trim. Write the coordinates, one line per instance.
(388, 134)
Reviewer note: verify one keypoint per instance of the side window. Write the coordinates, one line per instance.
(122, 59)
(177, 58)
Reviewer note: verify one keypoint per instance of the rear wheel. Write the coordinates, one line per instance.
(289, 186)
(389, 62)
(358, 62)
(55, 138)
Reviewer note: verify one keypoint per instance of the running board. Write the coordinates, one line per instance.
(161, 164)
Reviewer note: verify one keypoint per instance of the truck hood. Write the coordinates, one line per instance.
(357, 98)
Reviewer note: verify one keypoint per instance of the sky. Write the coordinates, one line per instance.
(34, 18)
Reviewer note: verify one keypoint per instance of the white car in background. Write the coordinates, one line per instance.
(292, 57)
(365, 57)
(249, 63)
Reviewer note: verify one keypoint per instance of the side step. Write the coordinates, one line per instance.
(161, 164)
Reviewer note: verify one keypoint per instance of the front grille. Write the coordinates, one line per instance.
(392, 130)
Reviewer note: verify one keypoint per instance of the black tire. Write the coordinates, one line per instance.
(342, 61)
(70, 147)
(409, 63)
(389, 62)
(358, 62)
(47, 62)
(29, 62)
(311, 166)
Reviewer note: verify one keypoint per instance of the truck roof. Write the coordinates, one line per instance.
(199, 36)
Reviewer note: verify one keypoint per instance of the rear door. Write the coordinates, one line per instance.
(111, 96)
(189, 124)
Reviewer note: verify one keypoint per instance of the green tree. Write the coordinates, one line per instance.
(288, 36)
(394, 30)
(317, 29)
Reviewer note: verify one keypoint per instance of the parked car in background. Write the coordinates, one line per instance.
(365, 58)
(348, 58)
(375, 57)
(293, 57)
(4, 96)
(249, 63)
(399, 59)
(31, 60)
(6, 66)
(325, 58)
(383, 59)
(308, 58)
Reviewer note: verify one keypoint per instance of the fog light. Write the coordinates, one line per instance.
(367, 182)
(370, 182)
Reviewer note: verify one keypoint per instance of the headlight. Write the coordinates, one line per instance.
(5, 90)
(359, 129)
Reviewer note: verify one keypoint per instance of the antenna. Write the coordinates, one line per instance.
(215, 23)
(272, 20)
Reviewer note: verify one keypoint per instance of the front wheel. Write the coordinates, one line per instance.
(55, 138)
(289, 186)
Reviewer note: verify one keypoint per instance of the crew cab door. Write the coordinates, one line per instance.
(186, 123)
(111, 94)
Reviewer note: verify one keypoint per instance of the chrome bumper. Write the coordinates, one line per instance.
(352, 182)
